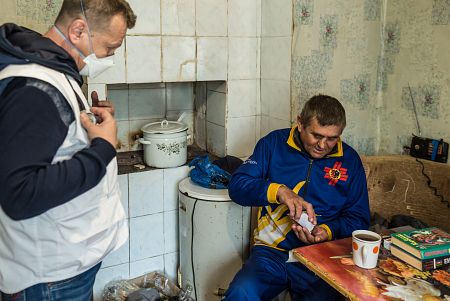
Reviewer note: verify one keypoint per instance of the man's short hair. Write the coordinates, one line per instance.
(98, 12)
(326, 109)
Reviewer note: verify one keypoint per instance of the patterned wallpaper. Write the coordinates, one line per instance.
(38, 15)
(375, 56)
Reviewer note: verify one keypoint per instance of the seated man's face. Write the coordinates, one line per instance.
(319, 140)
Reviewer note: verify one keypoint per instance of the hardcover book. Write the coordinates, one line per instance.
(423, 243)
(421, 264)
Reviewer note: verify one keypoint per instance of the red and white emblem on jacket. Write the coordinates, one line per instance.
(335, 174)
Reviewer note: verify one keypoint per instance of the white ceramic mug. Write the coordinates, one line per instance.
(365, 247)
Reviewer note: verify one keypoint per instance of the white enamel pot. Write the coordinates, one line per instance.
(165, 144)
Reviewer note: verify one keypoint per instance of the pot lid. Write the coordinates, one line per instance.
(164, 127)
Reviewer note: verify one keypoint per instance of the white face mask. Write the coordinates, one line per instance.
(94, 65)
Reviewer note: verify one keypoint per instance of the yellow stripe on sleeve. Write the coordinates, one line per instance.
(326, 228)
(272, 193)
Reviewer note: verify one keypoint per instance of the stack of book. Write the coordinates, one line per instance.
(425, 249)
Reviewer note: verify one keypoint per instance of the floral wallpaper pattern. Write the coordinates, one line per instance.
(372, 10)
(328, 31)
(385, 60)
(303, 12)
(38, 15)
(313, 75)
(420, 73)
(423, 100)
(441, 12)
(356, 90)
(40, 11)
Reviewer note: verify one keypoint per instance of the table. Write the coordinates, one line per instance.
(332, 262)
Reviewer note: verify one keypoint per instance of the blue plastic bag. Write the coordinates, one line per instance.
(207, 174)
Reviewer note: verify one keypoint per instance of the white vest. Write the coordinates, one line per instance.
(71, 238)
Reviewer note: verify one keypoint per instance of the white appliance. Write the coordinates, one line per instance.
(214, 238)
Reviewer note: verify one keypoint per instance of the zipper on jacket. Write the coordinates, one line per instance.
(307, 177)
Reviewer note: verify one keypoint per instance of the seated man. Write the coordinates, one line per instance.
(308, 168)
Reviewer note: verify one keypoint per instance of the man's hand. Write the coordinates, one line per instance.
(107, 129)
(108, 105)
(295, 203)
(318, 234)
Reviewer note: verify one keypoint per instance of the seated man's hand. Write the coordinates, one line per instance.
(296, 204)
(318, 234)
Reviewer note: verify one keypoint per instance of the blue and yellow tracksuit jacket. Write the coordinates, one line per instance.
(334, 185)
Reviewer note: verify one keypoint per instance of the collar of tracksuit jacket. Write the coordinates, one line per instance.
(295, 142)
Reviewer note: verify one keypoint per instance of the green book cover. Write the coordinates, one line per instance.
(423, 243)
(421, 264)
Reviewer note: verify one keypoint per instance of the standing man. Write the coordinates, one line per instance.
(309, 168)
(60, 203)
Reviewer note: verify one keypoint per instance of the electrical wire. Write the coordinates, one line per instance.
(414, 107)
(192, 249)
(435, 191)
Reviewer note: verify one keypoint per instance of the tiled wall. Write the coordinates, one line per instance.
(150, 200)
(210, 100)
(172, 41)
(139, 104)
(242, 107)
(276, 40)
(244, 42)
(258, 99)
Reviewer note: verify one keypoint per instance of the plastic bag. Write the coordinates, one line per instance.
(119, 290)
(207, 174)
(144, 294)
(160, 282)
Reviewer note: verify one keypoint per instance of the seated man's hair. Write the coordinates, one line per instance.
(326, 109)
(98, 12)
